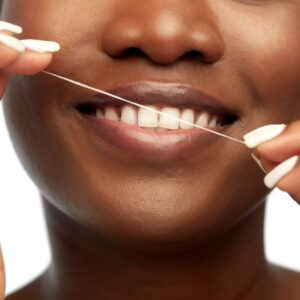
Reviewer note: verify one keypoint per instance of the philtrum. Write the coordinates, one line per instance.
(140, 106)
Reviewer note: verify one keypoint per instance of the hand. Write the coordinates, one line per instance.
(277, 148)
(26, 57)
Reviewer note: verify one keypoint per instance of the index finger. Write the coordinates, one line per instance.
(282, 147)
(29, 63)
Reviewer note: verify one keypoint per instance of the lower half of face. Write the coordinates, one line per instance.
(125, 173)
(137, 197)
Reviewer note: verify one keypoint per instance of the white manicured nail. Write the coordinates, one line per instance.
(263, 134)
(41, 46)
(10, 27)
(280, 171)
(12, 42)
(257, 160)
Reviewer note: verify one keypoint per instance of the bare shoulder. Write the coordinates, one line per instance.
(287, 283)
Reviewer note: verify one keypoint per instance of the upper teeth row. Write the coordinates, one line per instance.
(148, 119)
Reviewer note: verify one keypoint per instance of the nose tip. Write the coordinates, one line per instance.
(163, 40)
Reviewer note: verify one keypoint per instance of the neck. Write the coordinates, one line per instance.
(84, 266)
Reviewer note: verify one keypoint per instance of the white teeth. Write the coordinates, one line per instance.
(159, 123)
(187, 115)
(168, 123)
(203, 119)
(111, 114)
(147, 118)
(213, 123)
(99, 114)
(129, 115)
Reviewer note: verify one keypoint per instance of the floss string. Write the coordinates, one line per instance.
(140, 106)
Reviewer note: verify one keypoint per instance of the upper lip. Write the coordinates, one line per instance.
(169, 94)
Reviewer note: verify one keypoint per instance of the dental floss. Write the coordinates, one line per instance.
(141, 106)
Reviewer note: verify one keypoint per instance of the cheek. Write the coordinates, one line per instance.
(277, 65)
(68, 22)
(264, 49)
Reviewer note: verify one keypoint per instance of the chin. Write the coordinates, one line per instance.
(167, 221)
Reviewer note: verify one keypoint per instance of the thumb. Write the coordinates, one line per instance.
(2, 276)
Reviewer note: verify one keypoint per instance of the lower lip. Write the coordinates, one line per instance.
(164, 145)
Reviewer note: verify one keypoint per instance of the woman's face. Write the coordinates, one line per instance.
(141, 187)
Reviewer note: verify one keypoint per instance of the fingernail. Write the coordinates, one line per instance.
(263, 134)
(12, 42)
(10, 27)
(41, 46)
(257, 160)
(280, 171)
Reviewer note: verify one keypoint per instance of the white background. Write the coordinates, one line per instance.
(24, 239)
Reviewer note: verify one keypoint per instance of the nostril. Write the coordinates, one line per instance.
(132, 52)
(192, 55)
(136, 52)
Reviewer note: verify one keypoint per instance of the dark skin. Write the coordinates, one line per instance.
(128, 227)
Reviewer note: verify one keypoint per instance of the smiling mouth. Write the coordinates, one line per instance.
(145, 132)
